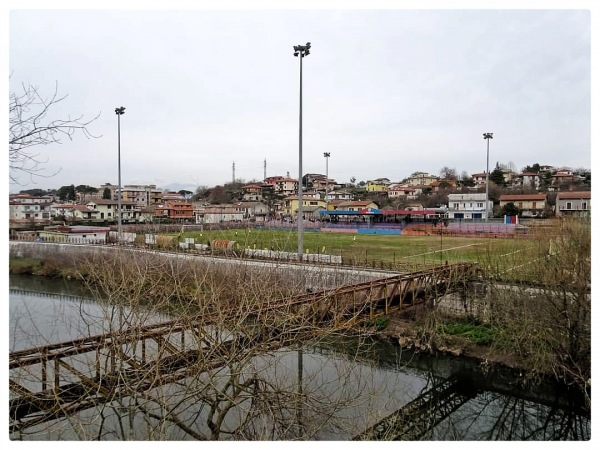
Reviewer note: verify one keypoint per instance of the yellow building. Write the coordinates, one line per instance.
(290, 204)
(378, 185)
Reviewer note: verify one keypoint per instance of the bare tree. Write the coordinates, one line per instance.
(448, 173)
(30, 126)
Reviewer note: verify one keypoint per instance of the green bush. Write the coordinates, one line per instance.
(480, 334)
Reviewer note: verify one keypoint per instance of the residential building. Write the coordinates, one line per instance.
(290, 204)
(323, 183)
(76, 234)
(378, 185)
(564, 177)
(528, 180)
(479, 178)
(107, 210)
(468, 206)
(253, 211)
(252, 192)
(312, 212)
(142, 195)
(421, 178)
(340, 194)
(71, 212)
(29, 210)
(574, 203)
(218, 214)
(181, 210)
(400, 191)
(530, 205)
(283, 186)
(443, 184)
(170, 196)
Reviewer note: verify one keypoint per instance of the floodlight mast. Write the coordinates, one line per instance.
(302, 51)
(119, 112)
(487, 137)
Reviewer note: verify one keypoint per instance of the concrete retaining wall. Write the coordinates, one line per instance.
(306, 276)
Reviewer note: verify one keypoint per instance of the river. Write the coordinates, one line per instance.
(346, 386)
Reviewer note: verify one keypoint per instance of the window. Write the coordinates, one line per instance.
(456, 206)
(480, 205)
(569, 205)
(583, 205)
(534, 206)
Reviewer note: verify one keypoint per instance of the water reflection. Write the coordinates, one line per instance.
(348, 385)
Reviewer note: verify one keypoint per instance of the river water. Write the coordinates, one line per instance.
(346, 385)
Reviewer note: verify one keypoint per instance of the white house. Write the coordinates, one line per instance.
(76, 234)
(469, 206)
(71, 211)
(341, 194)
(218, 214)
(107, 210)
(26, 209)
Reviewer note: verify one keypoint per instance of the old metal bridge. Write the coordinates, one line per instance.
(58, 380)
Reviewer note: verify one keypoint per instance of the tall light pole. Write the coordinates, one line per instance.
(326, 155)
(302, 51)
(119, 112)
(487, 136)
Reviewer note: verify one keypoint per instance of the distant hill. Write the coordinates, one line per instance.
(176, 187)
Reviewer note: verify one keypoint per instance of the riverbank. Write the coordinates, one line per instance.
(403, 328)
(407, 333)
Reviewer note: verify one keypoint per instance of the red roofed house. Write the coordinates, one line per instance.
(175, 210)
(530, 205)
(574, 204)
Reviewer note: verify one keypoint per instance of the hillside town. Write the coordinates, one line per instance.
(538, 191)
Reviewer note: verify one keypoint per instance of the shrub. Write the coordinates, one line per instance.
(480, 334)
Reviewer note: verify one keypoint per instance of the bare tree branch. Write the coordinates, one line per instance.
(29, 127)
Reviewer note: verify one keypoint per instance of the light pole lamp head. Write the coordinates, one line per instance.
(302, 50)
(488, 135)
(119, 111)
(326, 154)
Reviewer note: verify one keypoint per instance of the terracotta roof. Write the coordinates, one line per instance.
(575, 194)
(510, 197)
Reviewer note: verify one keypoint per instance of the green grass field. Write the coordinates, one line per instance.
(371, 250)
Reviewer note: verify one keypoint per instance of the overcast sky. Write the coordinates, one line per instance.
(385, 92)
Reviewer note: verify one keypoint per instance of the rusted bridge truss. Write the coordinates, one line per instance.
(58, 380)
